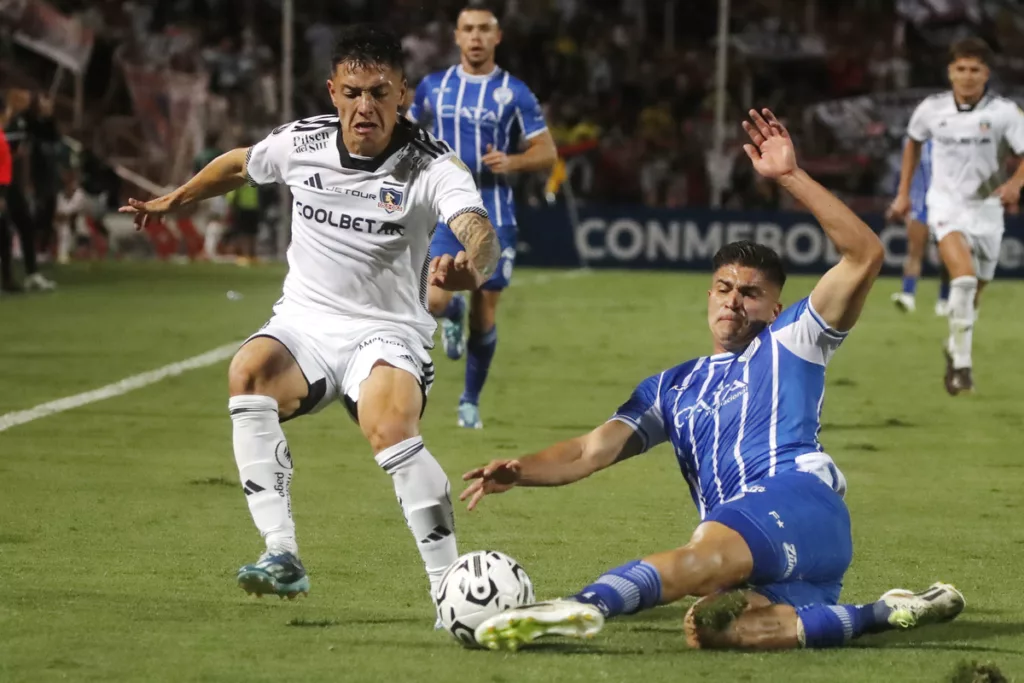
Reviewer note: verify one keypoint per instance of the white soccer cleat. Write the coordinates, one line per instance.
(942, 308)
(522, 625)
(39, 283)
(905, 302)
(940, 602)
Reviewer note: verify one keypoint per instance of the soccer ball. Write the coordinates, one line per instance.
(477, 586)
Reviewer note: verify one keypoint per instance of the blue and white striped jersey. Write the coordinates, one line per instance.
(470, 112)
(735, 419)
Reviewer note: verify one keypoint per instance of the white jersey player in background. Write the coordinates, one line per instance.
(352, 324)
(969, 128)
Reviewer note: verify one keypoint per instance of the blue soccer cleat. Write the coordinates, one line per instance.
(280, 574)
(452, 331)
(469, 416)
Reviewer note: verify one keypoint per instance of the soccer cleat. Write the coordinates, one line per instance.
(37, 282)
(904, 302)
(940, 602)
(280, 574)
(452, 333)
(520, 626)
(469, 416)
(957, 380)
(942, 308)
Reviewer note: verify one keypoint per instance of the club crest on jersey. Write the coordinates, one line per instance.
(503, 95)
(984, 125)
(390, 199)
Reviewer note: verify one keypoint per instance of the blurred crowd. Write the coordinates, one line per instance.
(628, 86)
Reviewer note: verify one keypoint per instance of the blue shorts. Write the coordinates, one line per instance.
(445, 242)
(798, 530)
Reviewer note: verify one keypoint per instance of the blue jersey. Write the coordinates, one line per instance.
(471, 112)
(736, 419)
(919, 185)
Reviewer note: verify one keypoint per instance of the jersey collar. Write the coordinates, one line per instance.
(474, 78)
(401, 135)
(965, 108)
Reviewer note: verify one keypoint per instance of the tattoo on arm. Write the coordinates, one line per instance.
(477, 235)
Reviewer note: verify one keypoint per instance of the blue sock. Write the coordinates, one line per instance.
(944, 290)
(480, 351)
(910, 284)
(455, 309)
(624, 590)
(834, 626)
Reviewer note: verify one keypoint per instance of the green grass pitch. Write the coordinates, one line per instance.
(122, 523)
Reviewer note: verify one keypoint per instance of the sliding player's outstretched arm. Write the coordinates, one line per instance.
(225, 173)
(840, 294)
(563, 463)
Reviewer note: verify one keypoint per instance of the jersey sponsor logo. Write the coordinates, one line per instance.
(474, 114)
(790, 559)
(310, 142)
(391, 199)
(352, 193)
(344, 221)
(503, 95)
(949, 140)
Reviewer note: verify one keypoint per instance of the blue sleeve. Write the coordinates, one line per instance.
(642, 412)
(419, 110)
(804, 333)
(531, 118)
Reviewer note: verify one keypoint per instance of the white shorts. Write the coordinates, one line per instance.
(335, 354)
(982, 227)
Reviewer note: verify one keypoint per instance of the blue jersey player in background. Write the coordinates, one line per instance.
(484, 114)
(917, 241)
(774, 543)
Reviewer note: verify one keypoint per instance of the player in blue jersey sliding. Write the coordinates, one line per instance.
(774, 543)
(483, 113)
(917, 242)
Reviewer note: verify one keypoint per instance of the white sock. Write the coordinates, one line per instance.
(264, 468)
(423, 492)
(961, 319)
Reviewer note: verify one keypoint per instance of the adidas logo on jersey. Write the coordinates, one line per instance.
(314, 181)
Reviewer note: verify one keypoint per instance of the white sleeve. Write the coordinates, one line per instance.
(267, 160)
(800, 329)
(1015, 129)
(920, 126)
(451, 188)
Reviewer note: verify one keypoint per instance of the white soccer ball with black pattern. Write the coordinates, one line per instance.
(477, 586)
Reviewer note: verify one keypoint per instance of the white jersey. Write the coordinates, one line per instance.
(968, 147)
(361, 227)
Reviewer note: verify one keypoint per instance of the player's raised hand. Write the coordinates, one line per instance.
(143, 210)
(497, 162)
(454, 274)
(772, 153)
(497, 476)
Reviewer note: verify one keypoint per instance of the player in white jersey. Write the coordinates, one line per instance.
(352, 324)
(774, 540)
(969, 128)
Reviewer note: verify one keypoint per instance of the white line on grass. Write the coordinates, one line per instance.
(117, 388)
(203, 360)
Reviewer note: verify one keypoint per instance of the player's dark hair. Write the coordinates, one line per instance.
(752, 255)
(480, 6)
(367, 45)
(971, 47)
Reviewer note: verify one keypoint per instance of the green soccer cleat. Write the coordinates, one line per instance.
(939, 602)
(280, 574)
(469, 416)
(520, 626)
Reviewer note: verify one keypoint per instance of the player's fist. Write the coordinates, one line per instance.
(497, 476)
(143, 210)
(897, 211)
(454, 274)
(772, 153)
(497, 162)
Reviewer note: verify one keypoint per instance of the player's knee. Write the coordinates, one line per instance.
(704, 567)
(386, 432)
(246, 377)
